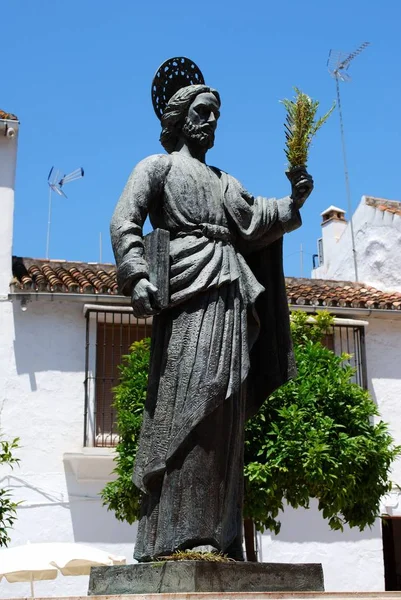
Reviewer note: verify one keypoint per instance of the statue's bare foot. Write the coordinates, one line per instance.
(207, 548)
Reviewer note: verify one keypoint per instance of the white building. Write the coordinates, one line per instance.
(376, 231)
(63, 331)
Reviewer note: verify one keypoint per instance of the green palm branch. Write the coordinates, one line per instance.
(301, 126)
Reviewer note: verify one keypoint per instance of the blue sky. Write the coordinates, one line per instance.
(78, 76)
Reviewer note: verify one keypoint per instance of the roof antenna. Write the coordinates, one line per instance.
(337, 64)
(55, 183)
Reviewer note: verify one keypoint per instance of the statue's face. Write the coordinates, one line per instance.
(201, 121)
(204, 110)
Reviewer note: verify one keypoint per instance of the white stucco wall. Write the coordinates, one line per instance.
(378, 249)
(383, 344)
(351, 560)
(8, 158)
(42, 400)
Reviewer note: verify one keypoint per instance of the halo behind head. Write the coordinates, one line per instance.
(172, 75)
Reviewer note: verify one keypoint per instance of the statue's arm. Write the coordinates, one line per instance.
(260, 221)
(144, 186)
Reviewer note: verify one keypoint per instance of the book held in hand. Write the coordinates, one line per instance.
(157, 255)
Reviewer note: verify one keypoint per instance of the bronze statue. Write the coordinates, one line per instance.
(223, 344)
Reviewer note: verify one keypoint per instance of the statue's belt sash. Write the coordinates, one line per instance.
(208, 230)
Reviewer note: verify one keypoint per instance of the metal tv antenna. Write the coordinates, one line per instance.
(337, 64)
(56, 182)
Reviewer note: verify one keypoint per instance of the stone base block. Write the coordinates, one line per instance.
(203, 576)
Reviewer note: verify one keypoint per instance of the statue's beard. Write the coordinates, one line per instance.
(200, 134)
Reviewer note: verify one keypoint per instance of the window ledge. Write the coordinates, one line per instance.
(92, 464)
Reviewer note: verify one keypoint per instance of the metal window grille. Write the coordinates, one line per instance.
(320, 251)
(109, 336)
(350, 339)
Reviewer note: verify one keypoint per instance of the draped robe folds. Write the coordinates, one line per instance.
(218, 351)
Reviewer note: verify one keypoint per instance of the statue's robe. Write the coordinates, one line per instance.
(217, 352)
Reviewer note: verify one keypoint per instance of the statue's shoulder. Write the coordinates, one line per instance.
(155, 166)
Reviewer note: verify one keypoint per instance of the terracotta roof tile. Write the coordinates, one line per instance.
(63, 276)
(32, 275)
(391, 206)
(321, 293)
(7, 116)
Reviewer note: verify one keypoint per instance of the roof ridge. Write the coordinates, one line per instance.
(40, 275)
(60, 261)
(392, 206)
(6, 116)
(331, 282)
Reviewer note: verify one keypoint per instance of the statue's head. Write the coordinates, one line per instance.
(191, 113)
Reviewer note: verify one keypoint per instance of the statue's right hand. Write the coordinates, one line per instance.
(143, 298)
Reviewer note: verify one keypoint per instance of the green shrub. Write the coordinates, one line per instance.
(315, 438)
(121, 495)
(8, 508)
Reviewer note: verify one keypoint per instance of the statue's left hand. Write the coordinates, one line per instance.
(302, 187)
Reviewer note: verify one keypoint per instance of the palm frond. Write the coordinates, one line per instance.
(301, 126)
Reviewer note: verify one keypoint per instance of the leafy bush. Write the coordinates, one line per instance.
(313, 438)
(8, 508)
(121, 495)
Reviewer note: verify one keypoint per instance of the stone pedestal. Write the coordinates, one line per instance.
(203, 576)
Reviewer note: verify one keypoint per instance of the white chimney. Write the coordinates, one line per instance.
(8, 159)
(333, 226)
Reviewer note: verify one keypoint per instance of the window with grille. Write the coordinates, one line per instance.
(345, 337)
(110, 333)
(109, 336)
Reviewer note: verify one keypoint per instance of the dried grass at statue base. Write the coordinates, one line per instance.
(192, 555)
